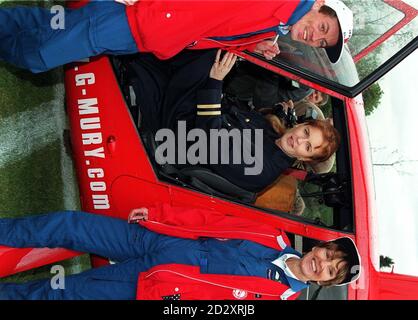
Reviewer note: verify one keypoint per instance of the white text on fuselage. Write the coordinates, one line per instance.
(92, 140)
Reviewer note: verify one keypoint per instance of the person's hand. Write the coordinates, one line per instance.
(136, 215)
(222, 67)
(268, 48)
(287, 105)
(127, 2)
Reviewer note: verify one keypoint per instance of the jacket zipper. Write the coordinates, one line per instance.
(233, 231)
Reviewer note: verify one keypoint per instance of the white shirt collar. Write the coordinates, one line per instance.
(281, 263)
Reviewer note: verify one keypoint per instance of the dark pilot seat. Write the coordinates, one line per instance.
(334, 192)
(197, 177)
(334, 189)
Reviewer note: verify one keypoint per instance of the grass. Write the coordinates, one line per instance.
(30, 185)
(28, 89)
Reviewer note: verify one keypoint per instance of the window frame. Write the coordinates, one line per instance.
(349, 92)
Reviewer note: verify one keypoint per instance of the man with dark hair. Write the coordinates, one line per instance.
(178, 254)
(318, 98)
(29, 39)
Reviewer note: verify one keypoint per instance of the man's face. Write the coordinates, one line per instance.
(316, 30)
(302, 142)
(315, 97)
(321, 264)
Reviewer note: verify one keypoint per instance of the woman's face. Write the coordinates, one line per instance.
(302, 142)
(321, 264)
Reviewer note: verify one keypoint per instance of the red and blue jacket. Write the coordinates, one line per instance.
(185, 282)
(166, 27)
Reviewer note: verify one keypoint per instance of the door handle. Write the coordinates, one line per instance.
(111, 144)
